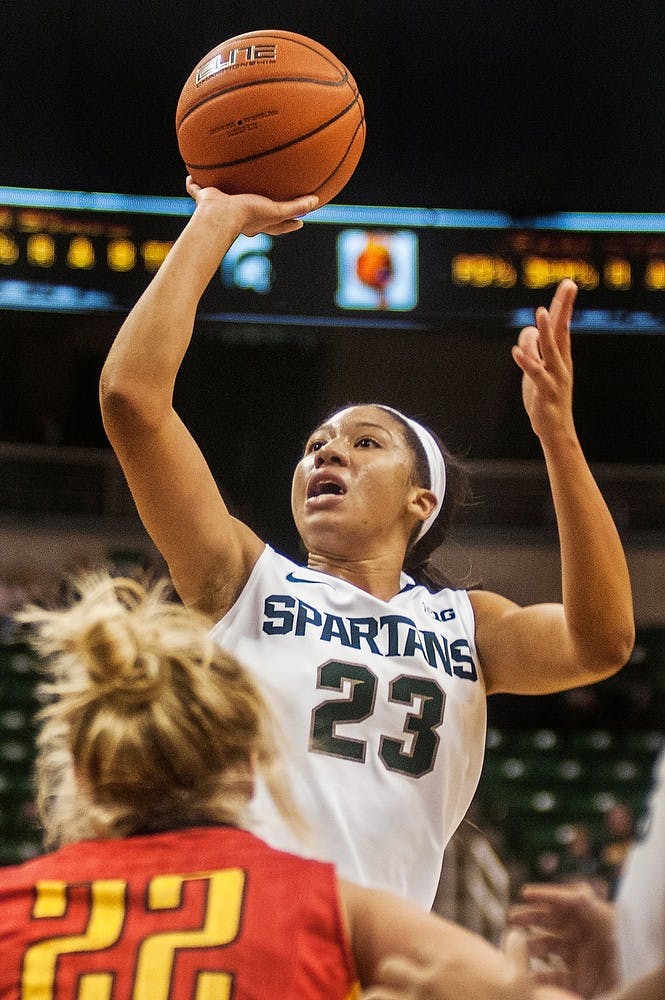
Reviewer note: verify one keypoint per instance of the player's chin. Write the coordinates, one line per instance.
(322, 529)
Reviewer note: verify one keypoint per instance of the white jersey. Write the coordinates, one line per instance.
(640, 902)
(384, 710)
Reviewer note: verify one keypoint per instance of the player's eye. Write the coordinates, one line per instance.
(314, 445)
(367, 442)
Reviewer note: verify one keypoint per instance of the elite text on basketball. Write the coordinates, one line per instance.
(234, 58)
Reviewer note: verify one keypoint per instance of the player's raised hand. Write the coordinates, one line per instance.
(570, 934)
(544, 355)
(255, 213)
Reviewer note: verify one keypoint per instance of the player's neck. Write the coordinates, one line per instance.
(379, 576)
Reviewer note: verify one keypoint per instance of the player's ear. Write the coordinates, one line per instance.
(422, 502)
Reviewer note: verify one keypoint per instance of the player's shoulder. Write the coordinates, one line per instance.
(433, 601)
(488, 605)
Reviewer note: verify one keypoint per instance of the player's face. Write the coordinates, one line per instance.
(353, 483)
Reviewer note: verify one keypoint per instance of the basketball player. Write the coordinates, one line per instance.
(379, 677)
(604, 945)
(150, 741)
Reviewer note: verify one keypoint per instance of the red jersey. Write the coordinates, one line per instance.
(210, 913)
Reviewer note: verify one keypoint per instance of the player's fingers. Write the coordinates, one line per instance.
(528, 340)
(552, 969)
(553, 978)
(533, 367)
(543, 918)
(535, 892)
(554, 322)
(526, 352)
(192, 187)
(548, 341)
(543, 946)
(516, 947)
(278, 217)
(296, 207)
(568, 901)
(289, 226)
(521, 913)
(540, 890)
(563, 301)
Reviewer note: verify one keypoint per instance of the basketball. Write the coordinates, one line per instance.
(272, 113)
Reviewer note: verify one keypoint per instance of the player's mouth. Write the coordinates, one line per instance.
(324, 489)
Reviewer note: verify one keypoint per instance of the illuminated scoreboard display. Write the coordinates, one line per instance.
(65, 251)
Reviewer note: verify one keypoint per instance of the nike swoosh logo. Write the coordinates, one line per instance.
(292, 578)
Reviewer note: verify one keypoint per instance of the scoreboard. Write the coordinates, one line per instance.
(351, 265)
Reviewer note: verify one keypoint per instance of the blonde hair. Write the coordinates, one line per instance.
(148, 724)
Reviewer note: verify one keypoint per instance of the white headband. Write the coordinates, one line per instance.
(435, 463)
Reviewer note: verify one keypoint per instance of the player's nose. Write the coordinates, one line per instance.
(332, 452)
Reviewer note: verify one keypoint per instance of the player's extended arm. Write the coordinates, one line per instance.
(550, 647)
(209, 553)
(403, 952)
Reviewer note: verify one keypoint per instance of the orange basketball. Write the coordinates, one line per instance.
(272, 113)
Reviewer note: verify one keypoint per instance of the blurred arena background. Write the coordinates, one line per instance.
(517, 112)
(504, 106)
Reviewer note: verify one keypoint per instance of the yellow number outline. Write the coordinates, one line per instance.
(225, 891)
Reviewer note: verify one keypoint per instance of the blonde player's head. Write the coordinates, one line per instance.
(148, 724)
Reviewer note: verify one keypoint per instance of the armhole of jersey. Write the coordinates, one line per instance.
(267, 556)
(470, 625)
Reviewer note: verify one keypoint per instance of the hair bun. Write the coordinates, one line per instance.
(116, 662)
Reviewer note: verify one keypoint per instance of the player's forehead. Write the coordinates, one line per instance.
(364, 416)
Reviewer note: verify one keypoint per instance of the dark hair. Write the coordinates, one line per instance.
(419, 560)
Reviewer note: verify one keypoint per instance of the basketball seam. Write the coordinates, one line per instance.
(261, 83)
(295, 39)
(285, 145)
(346, 153)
